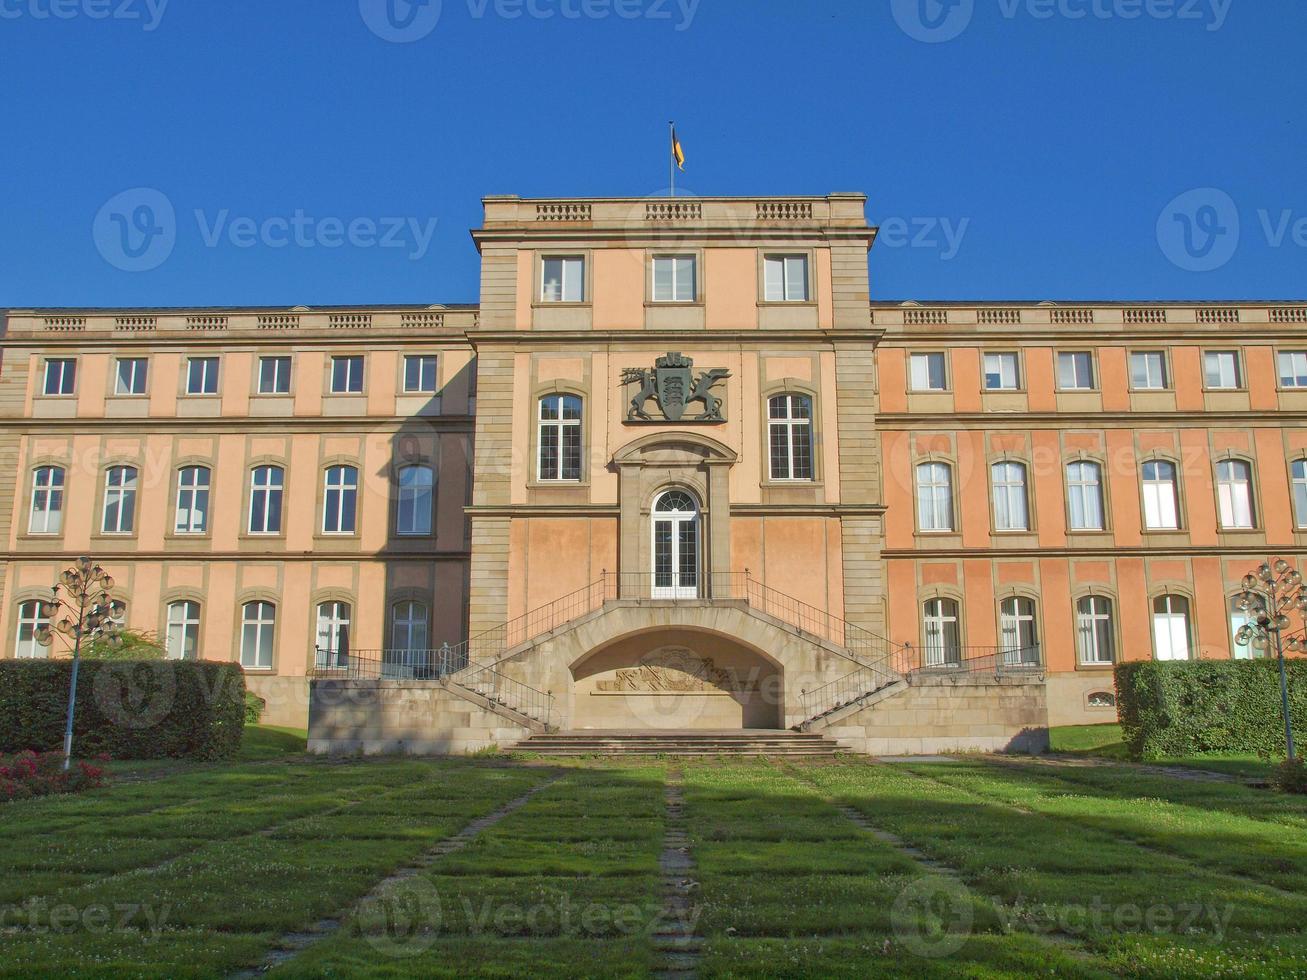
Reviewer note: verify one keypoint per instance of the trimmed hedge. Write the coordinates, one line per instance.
(1182, 708)
(176, 709)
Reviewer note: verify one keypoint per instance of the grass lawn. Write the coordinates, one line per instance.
(974, 868)
(1105, 742)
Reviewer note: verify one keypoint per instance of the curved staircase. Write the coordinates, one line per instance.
(747, 742)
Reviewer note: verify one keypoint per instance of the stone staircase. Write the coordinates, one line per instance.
(748, 742)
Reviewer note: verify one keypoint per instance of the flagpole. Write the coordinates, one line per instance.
(671, 151)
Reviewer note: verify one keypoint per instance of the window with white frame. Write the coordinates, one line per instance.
(1299, 471)
(420, 374)
(30, 623)
(935, 497)
(340, 499)
(47, 500)
(202, 376)
(1095, 630)
(274, 375)
(131, 376)
(943, 643)
(1239, 618)
(119, 500)
(562, 279)
(928, 371)
(1234, 494)
(267, 485)
(1018, 630)
(60, 376)
(1293, 368)
(409, 626)
(559, 434)
(1172, 637)
(347, 375)
(1084, 489)
(1075, 370)
(183, 637)
(785, 278)
(1002, 371)
(1221, 369)
(414, 499)
(192, 515)
(789, 437)
(1148, 370)
(1161, 496)
(258, 634)
(1011, 508)
(332, 641)
(675, 279)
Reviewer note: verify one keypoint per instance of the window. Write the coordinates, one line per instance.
(347, 375)
(1161, 496)
(560, 437)
(1293, 369)
(1095, 631)
(927, 372)
(789, 437)
(1011, 512)
(1239, 618)
(340, 500)
(132, 373)
(267, 483)
(413, 508)
(408, 627)
(119, 500)
(420, 374)
(1148, 370)
(1171, 637)
(274, 375)
(1299, 470)
(785, 278)
(1234, 494)
(1017, 626)
(1002, 372)
(562, 279)
(192, 500)
(332, 642)
(674, 279)
(202, 376)
(943, 641)
(183, 640)
(935, 497)
(1075, 370)
(1084, 489)
(60, 376)
(47, 500)
(258, 634)
(1221, 369)
(30, 624)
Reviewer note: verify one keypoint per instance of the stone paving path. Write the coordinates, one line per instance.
(677, 946)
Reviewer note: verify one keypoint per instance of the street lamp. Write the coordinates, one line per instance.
(1269, 595)
(90, 613)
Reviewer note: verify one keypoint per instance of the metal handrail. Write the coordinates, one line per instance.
(507, 691)
(982, 660)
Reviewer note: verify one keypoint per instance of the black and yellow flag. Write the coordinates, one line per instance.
(678, 154)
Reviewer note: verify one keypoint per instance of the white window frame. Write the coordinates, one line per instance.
(1154, 374)
(1018, 626)
(121, 495)
(1298, 483)
(569, 286)
(61, 375)
(941, 624)
(1292, 368)
(928, 371)
(258, 620)
(1174, 616)
(137, 376)
(340, 496)
(273, 489)
(420, 361)
(407, 629)
(192, 512)
(782, 274)
(1161, 495)
(789, 437)
(1092, 648)
(1238, 619)
(408, 499)
(280, 385)
(204, 370)
(1221, 360)
(559, 430)
(183, 627)
(935, 511)
(29, 622)
(676, 280)
(1005, 363)
(46, 515)
(333, 615)
(1086, 491)
(1076, 358)
(1009, 483)
(355, 372)
(1235, 505)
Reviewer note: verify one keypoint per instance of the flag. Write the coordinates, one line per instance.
(678, 154)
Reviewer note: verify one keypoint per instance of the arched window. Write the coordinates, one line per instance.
(1095, 630)
(1011, 510)
(560, 438)
(183, 640)
(413, 506)
(1239, 618)
(1019, 630)
(943, 639)
(409, 627)
(789, 427)
(333, 633)
(119, 500)
(340, 499)
(192, 500)
(1161, 496)
(1234, 494)
(258, 634)
(675, 546)
(1172, 635)
(267, 484)
(1300, 493)
(47, 500)
(1084, 488)
(30, 622)
(935, 497)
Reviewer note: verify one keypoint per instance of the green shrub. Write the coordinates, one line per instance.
(1189, 708)
(1291, 777)
(254, 706)
(135, 645)
(125, 709)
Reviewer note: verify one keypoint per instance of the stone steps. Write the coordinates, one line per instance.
(756, 742)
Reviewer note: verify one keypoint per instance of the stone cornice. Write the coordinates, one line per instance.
(1186, 419)
(1107, 551)
(313, 423)
(614, 510)
(662, 338)
(126, 554)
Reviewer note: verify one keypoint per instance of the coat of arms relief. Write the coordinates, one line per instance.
(674, 386)
(674, 670)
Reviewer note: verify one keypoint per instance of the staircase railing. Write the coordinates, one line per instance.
(849, 689)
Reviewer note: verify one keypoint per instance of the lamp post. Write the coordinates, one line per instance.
(1269, 594)
(90, 613)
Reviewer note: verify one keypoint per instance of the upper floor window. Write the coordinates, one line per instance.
(1148, 370)
(928, 372)
(1075, 370)
(409, 627)
(60, 376)
(202, 376)
(47, 500)
(119, 500)
(420, 374)
(258, 634)
(674, 279)
(131, 376)
(1011, 509)
(1172, 638)
(183, 639)
(1084, 487)
(785, 278)
(413, 508)
(560, 438)
(1095, 630)
(333, 633)
(347, 375)
(1234, 492)
(340, 501)
(274, 375)
(562, 279)
(30, 625)
(192, 500)
(1221, 369)
(1299, 471)
(1002, 371)
(789, 437)
(1161, 496)
(935, 497)
(943, 639)
(267, 484)
(1293, 368)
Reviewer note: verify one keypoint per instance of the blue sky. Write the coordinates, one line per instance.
(335, 151)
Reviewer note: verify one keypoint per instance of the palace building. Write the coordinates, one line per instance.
(677, 470)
